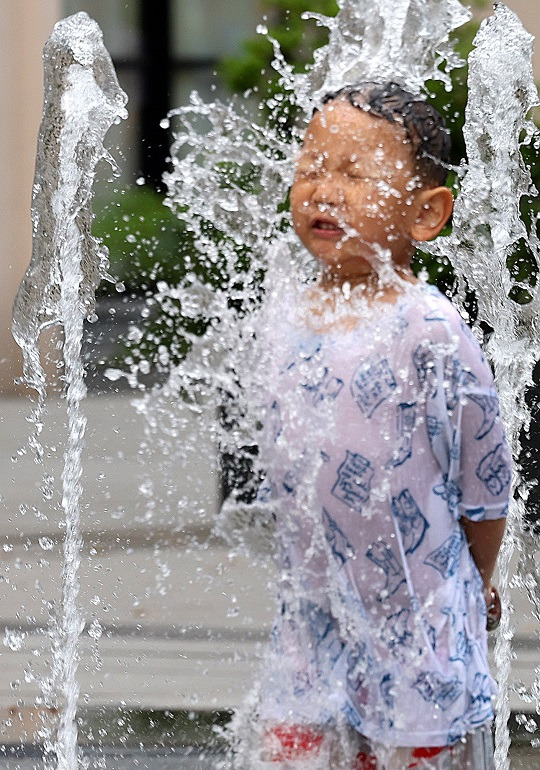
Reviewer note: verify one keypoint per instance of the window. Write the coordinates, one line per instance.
(163, 51)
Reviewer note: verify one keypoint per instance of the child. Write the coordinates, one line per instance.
(388, 468)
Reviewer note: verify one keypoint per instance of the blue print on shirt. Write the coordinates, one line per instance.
(456, 378)
(445, 558)
(372, 383)
(453, 375)
(290, 482)
(493, 471)
(386, 687)
(307, 349)
(437, 689)
(475, 514)
(406, 419)
(480, 708)
(266, 492)
(301, 684)
(382, 555)
(358, 664)
(396, 633)
(458, 611)
(341, 548)
(455, 448)
(354, 481)
(400, 325)
(450, 492)
(323, 629)
(423, 362)
(490, 409)
(327, 387)
(431, 633)
(464, 648)
(411, 522)
(274, 421)
(351, 716)
(458, 729)
(434, 427)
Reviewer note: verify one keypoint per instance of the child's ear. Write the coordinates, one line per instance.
(433, 209)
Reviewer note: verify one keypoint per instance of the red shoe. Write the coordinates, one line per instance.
(427, 752)
(289, 742)
(365, 761)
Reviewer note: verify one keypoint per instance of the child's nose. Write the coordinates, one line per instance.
(329, 190)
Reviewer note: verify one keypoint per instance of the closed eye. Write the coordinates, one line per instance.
(361, 177)
(308, 173)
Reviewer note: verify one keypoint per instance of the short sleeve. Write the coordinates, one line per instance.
(480, 467)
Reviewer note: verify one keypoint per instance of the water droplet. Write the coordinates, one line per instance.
(14, 639)
(95, 630)
(47, 486)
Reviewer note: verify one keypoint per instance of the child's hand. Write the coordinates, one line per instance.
(494, 609)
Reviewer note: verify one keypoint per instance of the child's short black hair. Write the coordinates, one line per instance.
(425, 127)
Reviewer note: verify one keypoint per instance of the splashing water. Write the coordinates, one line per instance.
(486, 231)
(406, 41)
(82, 100)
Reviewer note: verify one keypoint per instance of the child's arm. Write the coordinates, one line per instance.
(481, 463)
(484, 539)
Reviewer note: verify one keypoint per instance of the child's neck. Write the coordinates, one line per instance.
(383, 285)
(340, 303)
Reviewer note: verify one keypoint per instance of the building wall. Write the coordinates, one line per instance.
(24, 27)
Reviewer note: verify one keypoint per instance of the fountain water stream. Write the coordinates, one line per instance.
(487, 229)
(82, 100)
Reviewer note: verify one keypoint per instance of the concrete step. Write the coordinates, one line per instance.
(175, 627)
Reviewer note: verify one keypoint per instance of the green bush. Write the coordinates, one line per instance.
(147, 243)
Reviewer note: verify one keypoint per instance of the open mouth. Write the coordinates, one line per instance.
(326, 228)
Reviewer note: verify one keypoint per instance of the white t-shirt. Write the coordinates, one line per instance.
(378, 439)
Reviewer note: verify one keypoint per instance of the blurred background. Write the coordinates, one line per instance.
(161, 51)
(179, 625)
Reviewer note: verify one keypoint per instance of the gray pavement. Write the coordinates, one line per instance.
(148, 760)
(173, 621)
(521, 758)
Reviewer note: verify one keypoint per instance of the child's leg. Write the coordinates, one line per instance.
(305, 747)
(301, 747)
(475, 752)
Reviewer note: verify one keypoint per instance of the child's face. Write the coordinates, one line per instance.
(354, 189)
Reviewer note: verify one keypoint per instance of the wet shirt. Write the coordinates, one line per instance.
(378, 440)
